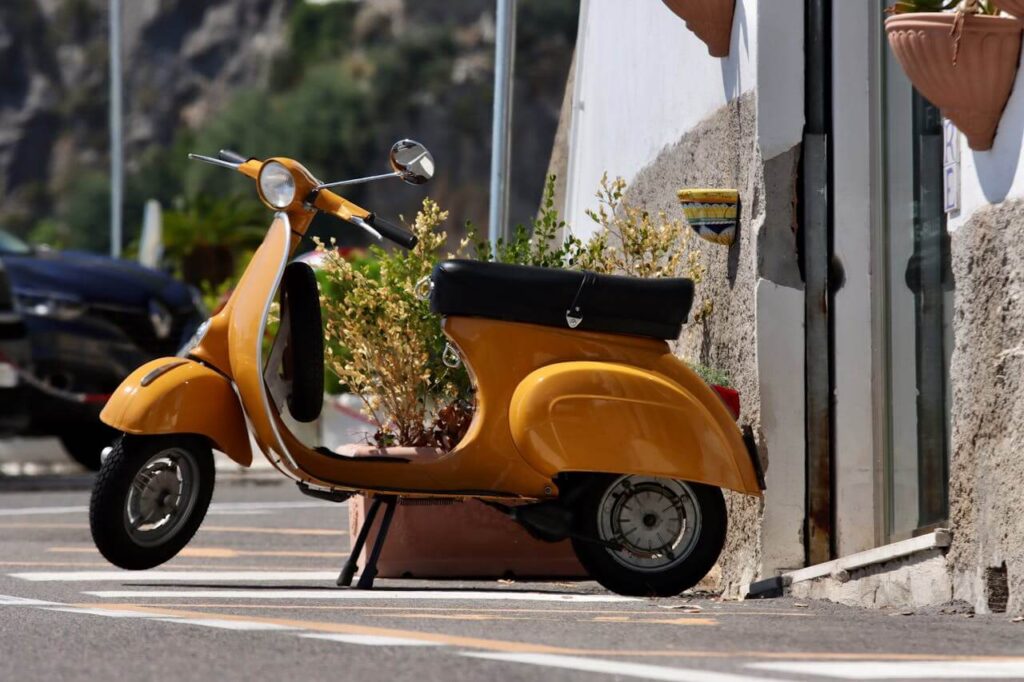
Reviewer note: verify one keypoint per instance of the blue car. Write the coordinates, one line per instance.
(91, 320)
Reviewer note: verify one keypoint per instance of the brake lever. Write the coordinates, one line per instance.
(214, 162)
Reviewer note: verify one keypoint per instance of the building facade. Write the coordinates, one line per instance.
(870, 309)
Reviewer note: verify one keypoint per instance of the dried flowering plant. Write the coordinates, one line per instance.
(385, 345)
(634, 242)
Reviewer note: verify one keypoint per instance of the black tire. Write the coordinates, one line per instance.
(109, 515)
(304, 358)
(85, 444)
(683, 573)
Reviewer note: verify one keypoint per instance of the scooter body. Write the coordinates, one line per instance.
(553, 407)
(548, 402)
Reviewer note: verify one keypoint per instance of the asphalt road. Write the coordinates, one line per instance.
(253, 598)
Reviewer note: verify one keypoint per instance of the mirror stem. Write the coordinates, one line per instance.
(359, 181)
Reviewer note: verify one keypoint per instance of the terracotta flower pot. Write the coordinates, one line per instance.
(973, 92)
(710, 20)
(1014, 7)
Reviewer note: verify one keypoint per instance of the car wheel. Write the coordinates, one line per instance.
(150, 497)
(86, 444)
(654, 536)
(304, 360)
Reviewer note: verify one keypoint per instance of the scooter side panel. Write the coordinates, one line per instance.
(250, 307)
(616, 418)
(173, 395)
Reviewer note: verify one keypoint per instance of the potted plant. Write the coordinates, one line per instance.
(710, 20)
(964, 62)
(1014, 7)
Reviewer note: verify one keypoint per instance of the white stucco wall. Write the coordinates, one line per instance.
(643, 80)
(996, 175)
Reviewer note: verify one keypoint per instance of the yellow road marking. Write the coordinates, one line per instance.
(217, 552)
(526, 647)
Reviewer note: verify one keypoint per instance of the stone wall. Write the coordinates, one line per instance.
(987, 375)
(722, 151)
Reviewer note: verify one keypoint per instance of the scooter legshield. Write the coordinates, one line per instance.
(175, 395)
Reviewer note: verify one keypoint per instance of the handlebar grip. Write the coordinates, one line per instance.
(230, 156)
(391, 231)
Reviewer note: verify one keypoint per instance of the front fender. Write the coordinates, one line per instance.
(175, 395)
(613, 418)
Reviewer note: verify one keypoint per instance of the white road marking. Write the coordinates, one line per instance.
(373, 640)
(7, 600)
(174, 576)
(905, 670)
(35, 511)
(215, 508)
(361, 595)
(621, 668)
(247, 625)
(108, 613)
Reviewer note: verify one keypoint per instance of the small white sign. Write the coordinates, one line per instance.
(950, 167)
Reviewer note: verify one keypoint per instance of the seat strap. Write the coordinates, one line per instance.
(574, 315)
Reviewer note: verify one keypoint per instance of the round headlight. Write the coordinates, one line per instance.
(277, 184)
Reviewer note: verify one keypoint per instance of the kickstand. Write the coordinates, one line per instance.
(351, 564)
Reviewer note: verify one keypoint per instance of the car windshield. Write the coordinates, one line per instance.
(11, 245)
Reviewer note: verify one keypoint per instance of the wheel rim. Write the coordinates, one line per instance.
(654, 521)
(161, 497)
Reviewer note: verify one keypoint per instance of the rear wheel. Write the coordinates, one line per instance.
(667, 534)
(149, 498)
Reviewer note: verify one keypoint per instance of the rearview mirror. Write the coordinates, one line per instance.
(412, 162)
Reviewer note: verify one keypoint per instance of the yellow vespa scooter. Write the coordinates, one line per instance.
(585, 426)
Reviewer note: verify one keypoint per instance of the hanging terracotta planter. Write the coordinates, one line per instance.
(972, 92)
(710, 20)
(1014, 7)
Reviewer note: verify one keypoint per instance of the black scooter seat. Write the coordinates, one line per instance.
(655, 308)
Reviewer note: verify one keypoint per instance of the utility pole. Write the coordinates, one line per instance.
(501, 122)
(116, 131)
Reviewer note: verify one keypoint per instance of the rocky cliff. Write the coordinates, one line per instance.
(185, 60)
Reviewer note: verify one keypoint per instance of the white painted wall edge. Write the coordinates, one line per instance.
(780, 77)
(779, 320)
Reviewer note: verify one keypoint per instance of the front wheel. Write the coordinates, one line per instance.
(149, 498)
(654, 536)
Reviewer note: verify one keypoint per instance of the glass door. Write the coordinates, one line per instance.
(917, 301)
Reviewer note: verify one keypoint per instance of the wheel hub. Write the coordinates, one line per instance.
(654, 522)
(161, 496)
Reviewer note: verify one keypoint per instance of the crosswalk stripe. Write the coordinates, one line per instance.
(362, 595)
(904, 670)
(621, 668)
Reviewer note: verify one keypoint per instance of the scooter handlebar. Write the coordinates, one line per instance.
(389, 230)
(329, 202)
